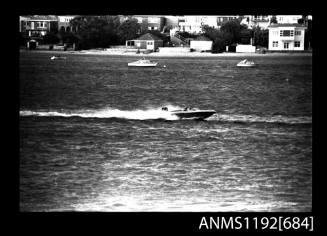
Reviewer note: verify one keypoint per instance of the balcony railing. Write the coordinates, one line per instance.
(36, 28)
(287, 37)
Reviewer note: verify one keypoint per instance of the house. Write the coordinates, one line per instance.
(146, 41)
(288, 37)
(223, 19)
(288, 19)
(252, 21)
(38, 26)
(193, 24)
(201, 43)
(151, 22)
(63, 23)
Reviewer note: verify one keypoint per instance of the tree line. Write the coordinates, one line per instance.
(99, 32)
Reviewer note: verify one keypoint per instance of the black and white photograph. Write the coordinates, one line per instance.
(165, 113)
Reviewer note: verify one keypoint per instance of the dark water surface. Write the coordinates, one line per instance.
(93, 136)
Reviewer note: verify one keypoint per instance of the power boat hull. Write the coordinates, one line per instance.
(142, 65)
(245, 65)
(57, 58)
(200, 114)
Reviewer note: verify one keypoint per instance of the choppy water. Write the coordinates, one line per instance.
(93, 136)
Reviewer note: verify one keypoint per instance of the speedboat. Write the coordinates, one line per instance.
(246, 63)
(191, 113)
(143, 63)
(57, 58)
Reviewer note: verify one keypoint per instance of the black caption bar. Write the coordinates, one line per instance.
(173, 222)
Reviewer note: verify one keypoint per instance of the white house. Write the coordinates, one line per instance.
(286, 37)
(63, 23)
(288, 19)
(193, 24)
(262, 21)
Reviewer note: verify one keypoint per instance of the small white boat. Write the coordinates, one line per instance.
(191, 113)
(143, 63)
(246, 63)
(57, 58)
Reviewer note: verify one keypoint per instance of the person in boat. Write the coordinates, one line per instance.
(164, 109)
(187, 108)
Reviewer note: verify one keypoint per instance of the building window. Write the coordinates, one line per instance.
(297, 44)
(275, 44)
(297, 32)
(275, 32)
(286, 33)
(286, 45)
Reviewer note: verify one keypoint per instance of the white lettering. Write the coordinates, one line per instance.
(203, 222)
(215, 223)
(223, 222)
(238, 222)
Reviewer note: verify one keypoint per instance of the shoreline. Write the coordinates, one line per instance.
(160, 54)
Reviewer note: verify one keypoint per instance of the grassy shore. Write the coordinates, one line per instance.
(161, 54)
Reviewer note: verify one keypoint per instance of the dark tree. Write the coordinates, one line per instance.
(233, 29)
(273, 20)
(50, 38)
(23, 38)
(188, 35)
(96, 31)
(128, 30)
(260, 37)
(219, 39)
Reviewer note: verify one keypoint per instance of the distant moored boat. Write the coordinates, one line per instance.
(246, 63)
(143, 63)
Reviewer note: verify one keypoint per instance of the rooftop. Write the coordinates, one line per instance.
(40, 18)
(148, 36)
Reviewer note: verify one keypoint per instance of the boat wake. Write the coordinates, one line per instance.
(159, 114)
(148, 114)
(262, 119)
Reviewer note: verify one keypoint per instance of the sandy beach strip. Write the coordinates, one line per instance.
(179, 54)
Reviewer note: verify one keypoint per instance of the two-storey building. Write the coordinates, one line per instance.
(63, 23)
(223, 19)
(286, 37)
(288, 19)
(252, 21)
(193, 24)
(38, 26)
(151, 22)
